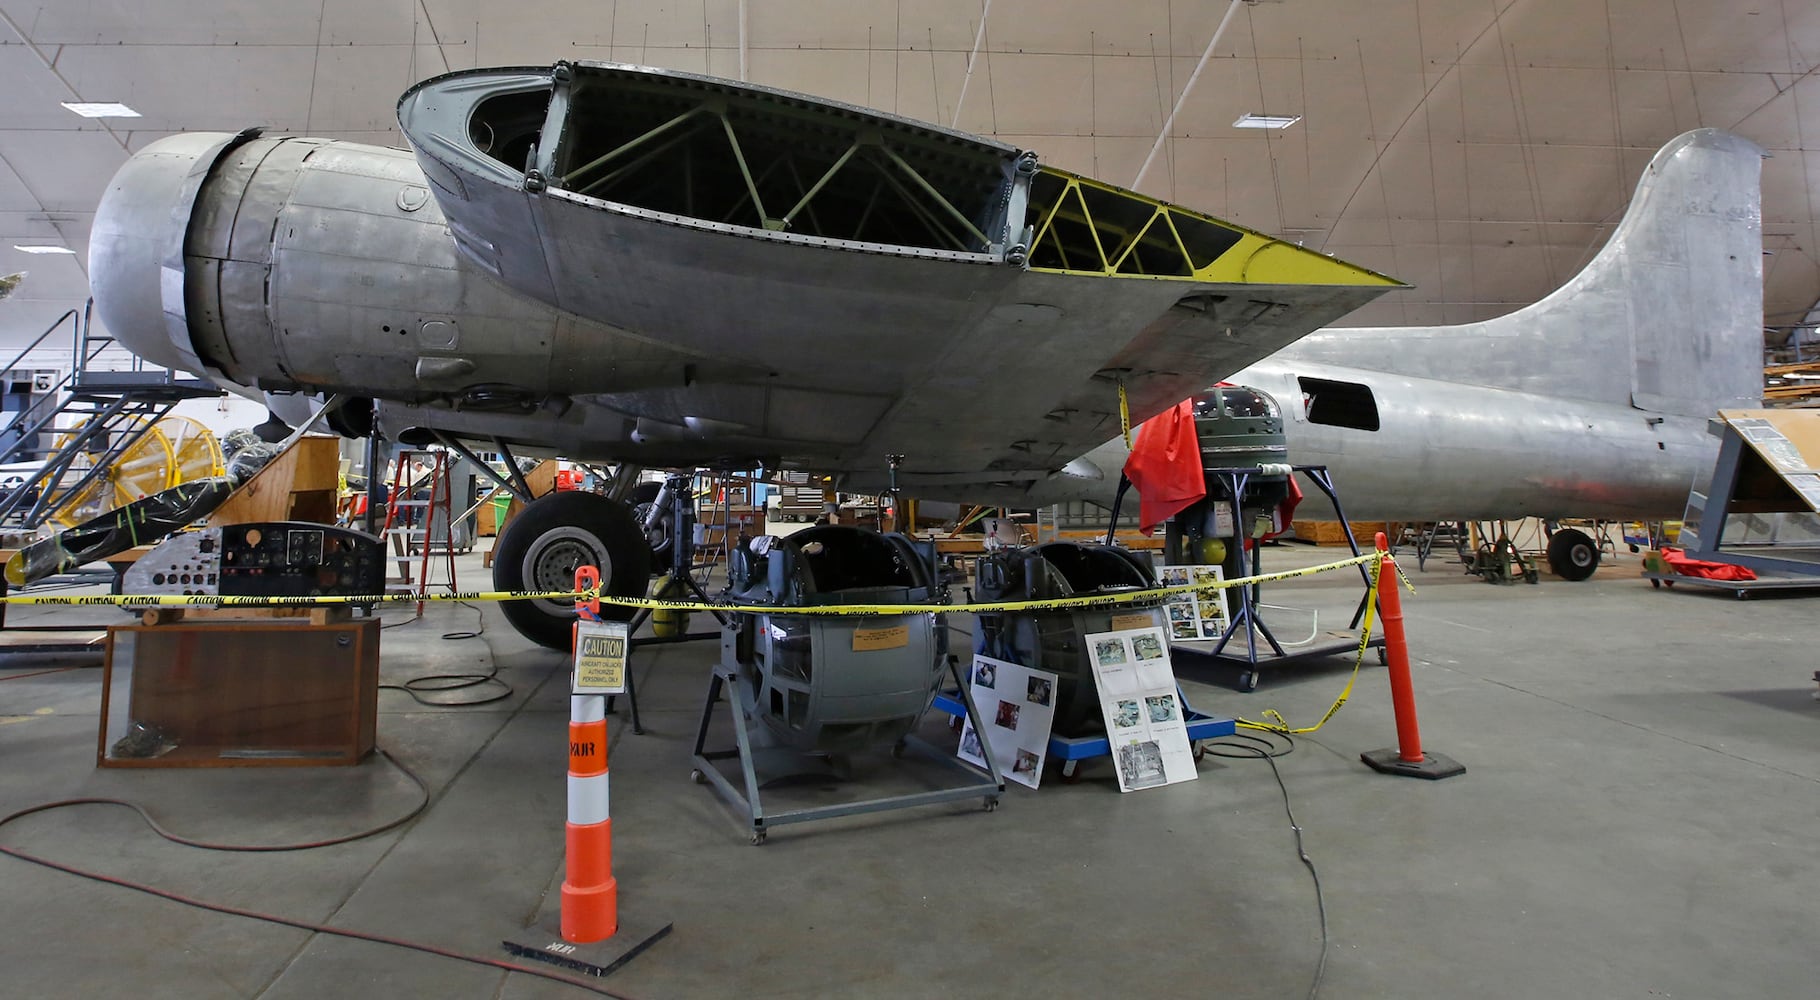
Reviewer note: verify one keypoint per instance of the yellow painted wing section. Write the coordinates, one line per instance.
(1084, 226)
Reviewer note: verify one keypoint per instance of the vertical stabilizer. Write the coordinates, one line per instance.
(1677, 292)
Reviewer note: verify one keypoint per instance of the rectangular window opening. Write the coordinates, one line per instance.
(1339, 404)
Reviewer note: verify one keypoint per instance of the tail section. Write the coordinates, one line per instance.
(1677, 293)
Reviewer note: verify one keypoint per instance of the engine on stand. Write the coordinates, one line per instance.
(1250, 491)
(809, 695)
(1245, 458)
(1055, 641)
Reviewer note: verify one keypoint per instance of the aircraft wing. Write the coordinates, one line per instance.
(882, 286)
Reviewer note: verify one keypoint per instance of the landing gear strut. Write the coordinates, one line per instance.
(541, 548)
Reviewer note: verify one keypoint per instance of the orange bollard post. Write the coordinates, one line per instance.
(586, 933)
(1407, 757)
(590, 895)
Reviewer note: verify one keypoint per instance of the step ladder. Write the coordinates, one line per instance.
(424, 527)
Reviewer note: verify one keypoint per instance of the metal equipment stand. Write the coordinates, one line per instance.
(682, 558)
(1498, 560)
(1246, 616)
(754, 757)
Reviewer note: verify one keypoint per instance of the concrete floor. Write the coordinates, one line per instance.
(1637, 820)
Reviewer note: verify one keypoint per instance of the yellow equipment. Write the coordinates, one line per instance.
(173, 451)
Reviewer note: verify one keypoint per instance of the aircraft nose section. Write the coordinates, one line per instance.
(136, 246)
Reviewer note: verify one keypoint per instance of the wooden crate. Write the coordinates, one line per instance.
(301, 484)
(1330, 532)
(242, 693)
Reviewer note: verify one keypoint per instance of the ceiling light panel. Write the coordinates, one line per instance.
(100, 109)
(1249, 120)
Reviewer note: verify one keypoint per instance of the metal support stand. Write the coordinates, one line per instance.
(682, 559)
(754, 757)
(1246, 617)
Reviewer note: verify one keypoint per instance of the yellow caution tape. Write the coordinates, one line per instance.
(1274, 721)
(1153, 594)
(205, 601)
(1124, 415)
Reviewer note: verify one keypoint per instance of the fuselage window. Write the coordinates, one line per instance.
(1340, 404)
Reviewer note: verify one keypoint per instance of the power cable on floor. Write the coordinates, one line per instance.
(37, 673)
(417, 687)
(305, 925)
(1262, 748)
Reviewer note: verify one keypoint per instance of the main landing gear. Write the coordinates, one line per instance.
(542, 547)
(1572, 555)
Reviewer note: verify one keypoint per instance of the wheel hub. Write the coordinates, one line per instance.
(552, 560)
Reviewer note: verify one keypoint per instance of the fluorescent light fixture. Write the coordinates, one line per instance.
(40, 248)
(1249, 120)
(101, 109)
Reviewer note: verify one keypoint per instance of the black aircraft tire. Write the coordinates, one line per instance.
(542, 547)
(1572, 555)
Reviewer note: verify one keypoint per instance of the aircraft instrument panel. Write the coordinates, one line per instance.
(270, 559)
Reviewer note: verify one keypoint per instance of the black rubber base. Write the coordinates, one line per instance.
(543, 942)
(1433, 766)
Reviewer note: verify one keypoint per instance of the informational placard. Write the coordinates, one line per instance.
(1018, 706)
(1772, 443)
(600, 658)
(1199, 614)
(890, 637)
(1146, 724)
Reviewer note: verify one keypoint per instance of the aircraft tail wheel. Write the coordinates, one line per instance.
(542, 547)
(1572, 554)
(1248, 681)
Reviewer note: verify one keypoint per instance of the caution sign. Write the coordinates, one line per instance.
(868, 639)
(600, 658)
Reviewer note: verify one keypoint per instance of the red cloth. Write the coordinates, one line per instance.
(1165, 465)
(1678, 561)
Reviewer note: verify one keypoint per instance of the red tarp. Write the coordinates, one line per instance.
(1678, 561)
(1165, 465)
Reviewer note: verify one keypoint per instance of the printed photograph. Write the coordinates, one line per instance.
(1162, 708)
(1183, 630)
(1205, 574)
(1108, 652)
(1181, 611)
(970, 743)
(1007, 714)
(1025, 763)
(1147, 647)
(1142, 764)
(1126, 714)
(1174, 576)
(1040, 690)
(985, 675)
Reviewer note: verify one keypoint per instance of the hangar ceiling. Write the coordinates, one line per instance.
(1480, 150)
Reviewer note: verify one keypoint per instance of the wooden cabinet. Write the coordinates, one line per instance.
(238, 693)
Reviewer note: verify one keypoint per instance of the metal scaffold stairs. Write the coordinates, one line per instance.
(81, 426)
(422, 527)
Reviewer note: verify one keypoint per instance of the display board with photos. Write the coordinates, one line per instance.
(1195, 615)
(1017, 705)
(1146, 722)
